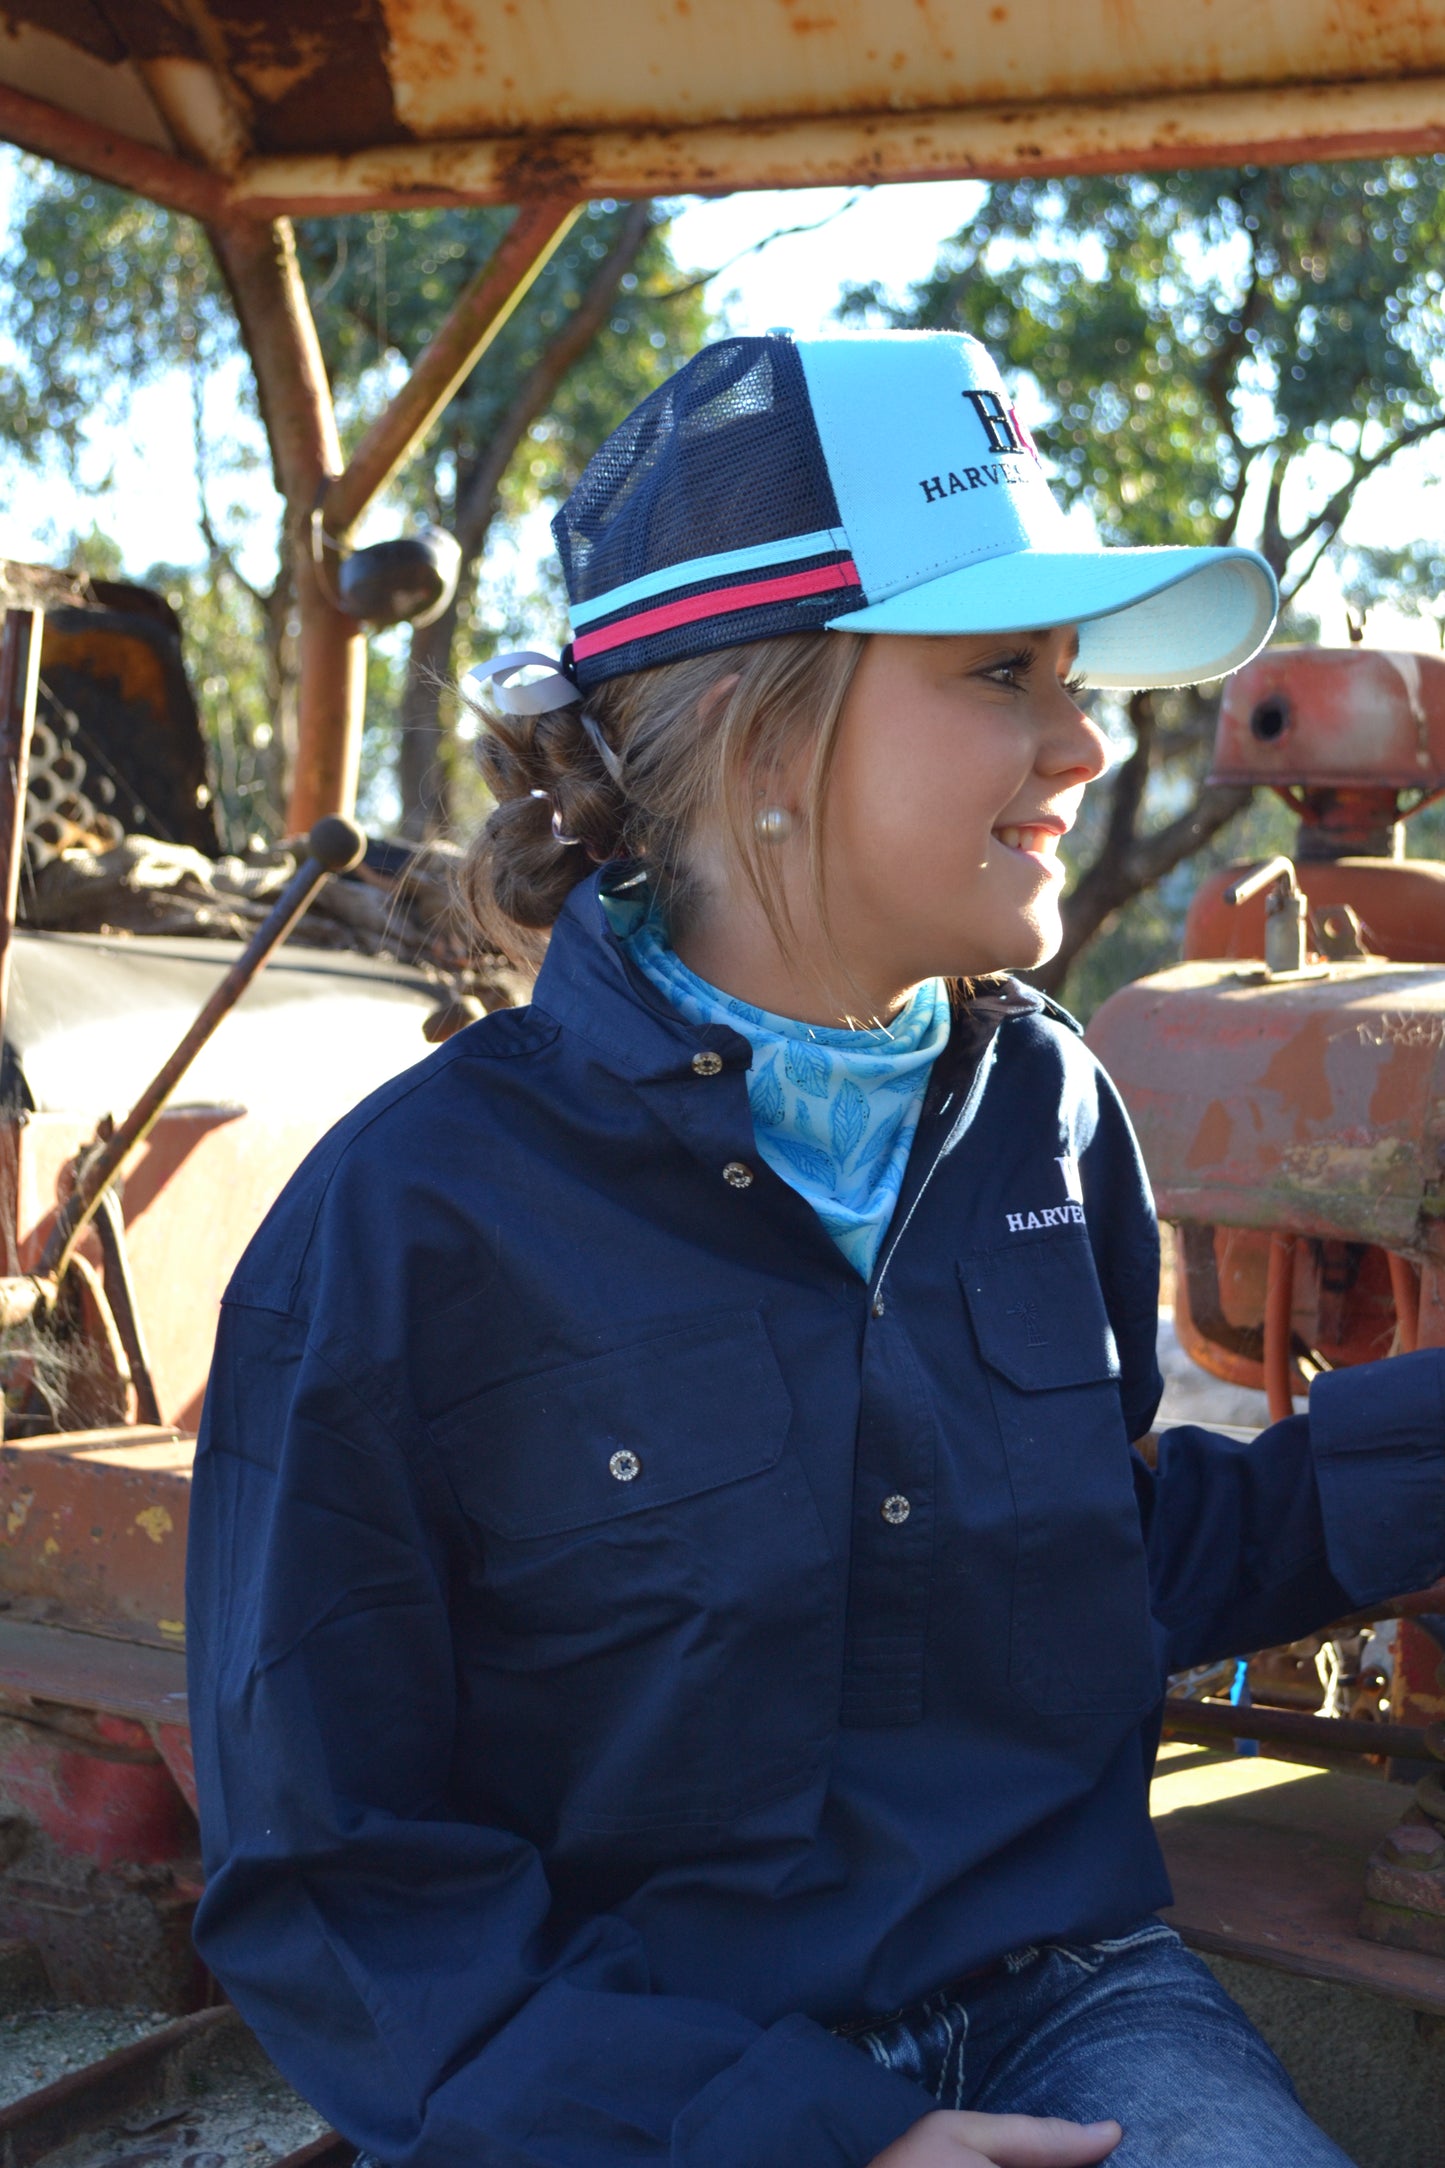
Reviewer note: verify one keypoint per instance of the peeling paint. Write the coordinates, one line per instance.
(1031, 85)
(156, 1522)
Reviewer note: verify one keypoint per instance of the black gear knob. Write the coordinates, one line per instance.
(336, 844)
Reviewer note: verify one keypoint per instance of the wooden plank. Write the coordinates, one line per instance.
(92, 1671)
(1268, 1859)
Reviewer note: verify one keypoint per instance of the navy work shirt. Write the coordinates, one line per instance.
(624, 1644)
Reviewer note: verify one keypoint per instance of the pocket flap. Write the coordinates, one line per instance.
(1038, 1313)
(642, 1425)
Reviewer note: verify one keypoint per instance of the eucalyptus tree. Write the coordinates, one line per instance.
(1216, 357)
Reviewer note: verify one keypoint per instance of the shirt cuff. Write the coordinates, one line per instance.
(799, 2094)
(1378, 1436)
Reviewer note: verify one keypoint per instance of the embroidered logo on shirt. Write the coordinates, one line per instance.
(1054, 1215)
(1048, 1215)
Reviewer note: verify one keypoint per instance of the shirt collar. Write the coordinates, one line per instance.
(589, 984)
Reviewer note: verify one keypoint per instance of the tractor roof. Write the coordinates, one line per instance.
(335, 105)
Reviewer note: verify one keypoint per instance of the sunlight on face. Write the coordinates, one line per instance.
(960, 762)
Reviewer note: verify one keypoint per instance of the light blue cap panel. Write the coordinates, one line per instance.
(953, 526)
(929, 465)
(1145, 616)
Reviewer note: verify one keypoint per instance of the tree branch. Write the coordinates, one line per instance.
(1332, 515)
(220, 552)
(754, 248)
(422, 769)
(477, 488)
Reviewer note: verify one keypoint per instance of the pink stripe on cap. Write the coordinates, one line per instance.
(717, 603)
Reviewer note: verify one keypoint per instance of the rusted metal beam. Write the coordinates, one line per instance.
(1207, 1720)
(140, 2076)
(19, 679)
(478, 315)
(260, 264)
(1276, 124)
(70, 140)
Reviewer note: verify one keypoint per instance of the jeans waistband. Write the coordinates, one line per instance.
(851, 2027)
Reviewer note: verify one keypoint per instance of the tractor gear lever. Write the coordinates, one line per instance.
(333, 846)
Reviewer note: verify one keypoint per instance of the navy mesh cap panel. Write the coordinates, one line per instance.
(722, 458)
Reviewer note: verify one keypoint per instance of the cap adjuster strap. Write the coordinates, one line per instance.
(542, 696)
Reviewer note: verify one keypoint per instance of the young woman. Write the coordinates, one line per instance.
(677, 1628)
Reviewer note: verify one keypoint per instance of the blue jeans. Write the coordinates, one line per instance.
(1137, 2029)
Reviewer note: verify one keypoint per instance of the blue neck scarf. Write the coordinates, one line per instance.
(834, 1112)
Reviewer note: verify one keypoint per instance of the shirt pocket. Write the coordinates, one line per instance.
(1081, 1637)
(656, 1611)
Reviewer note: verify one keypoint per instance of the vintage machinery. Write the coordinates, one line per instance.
(1292, 1108)
(144, 1129)
(240, 117)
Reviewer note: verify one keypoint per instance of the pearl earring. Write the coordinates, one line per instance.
(774, 823)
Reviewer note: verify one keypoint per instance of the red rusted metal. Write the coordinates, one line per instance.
(94, 1785)
(1401, 906)
(1316, 1105)
(1278, 1320)
(71, 139)
(260, 263)
(1405, 1286)
(308, 111)
(95, 1526)
(1349, 719)
(1418, 1691)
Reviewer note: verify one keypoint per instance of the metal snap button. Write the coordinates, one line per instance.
(895, 1510)
(738, 1174)
(706, 1064)
(625, 1466)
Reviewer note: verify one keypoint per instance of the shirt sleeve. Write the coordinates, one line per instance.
(1257, 1543)
(405, 1965)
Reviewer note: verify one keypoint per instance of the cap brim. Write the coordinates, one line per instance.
(1146, 617)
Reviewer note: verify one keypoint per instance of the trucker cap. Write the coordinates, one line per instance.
(868, 482)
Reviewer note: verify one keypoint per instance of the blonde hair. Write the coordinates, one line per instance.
(697, 742)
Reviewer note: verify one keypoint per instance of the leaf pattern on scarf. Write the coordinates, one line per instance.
(894, 1143)
(848, 1119)
(766, 1095)
(807, 1067)
(806, 1159)
(811, 1086)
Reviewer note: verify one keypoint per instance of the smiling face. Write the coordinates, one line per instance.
(955, 766)
(959, 764)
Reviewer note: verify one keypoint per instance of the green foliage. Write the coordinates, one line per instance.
(382, 283)
(1411, 577)
(1181, 327)
(1215, 357)
(103, 292)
